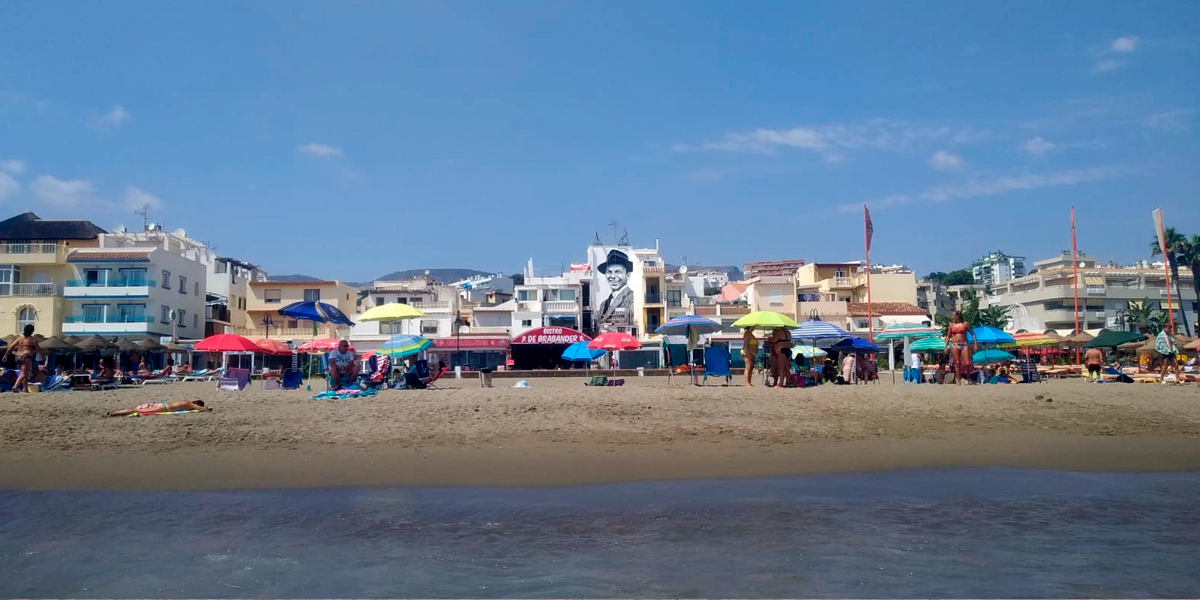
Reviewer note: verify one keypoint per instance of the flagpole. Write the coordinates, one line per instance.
(868, 229)
(1075, 270)
(1162, 245)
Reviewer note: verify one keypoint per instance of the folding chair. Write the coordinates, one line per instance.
(716, 364)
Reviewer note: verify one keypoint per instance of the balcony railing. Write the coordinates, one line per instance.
(109, 319)
(29, 248)
(1095, 291)
(216, 313)
(653, 298)
(112, 283)
(842, 282)
(29, 289)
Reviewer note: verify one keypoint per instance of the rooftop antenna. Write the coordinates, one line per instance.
(624, 241)
(596, 241)
(613, 224)
(145, 212)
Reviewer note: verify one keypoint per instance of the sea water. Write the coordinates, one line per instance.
(927, 533)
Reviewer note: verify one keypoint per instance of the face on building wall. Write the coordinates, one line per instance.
(617, 277)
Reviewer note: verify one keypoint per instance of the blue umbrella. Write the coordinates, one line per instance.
(580, 352)
(990, 335)
(991, 355)
(816, 329)
(686, 324)
(856, 343)
(318, 312)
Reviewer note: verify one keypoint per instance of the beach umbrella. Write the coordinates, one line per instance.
(900, 331)
(55, 344)
(317, 312)
(579, 352)
(685, 324)
(1033, 339)
(613, 341)
(765, 319)
(128, 345)
(990, 336)
(149, 343)
(1112, 339)
(856, 344)
(404, 345)
(816, 329)
(72, 339)
(319, 345)
(95, 343)
(270, 346)
(1134, 345)
(929, 344)
(1193, 346)
(991, 356)
(1082, 337)
(809, 352)
(393, 311)
(226, 342)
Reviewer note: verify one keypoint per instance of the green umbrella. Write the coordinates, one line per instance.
(929, 344)
(1112, 339)
(990, 356)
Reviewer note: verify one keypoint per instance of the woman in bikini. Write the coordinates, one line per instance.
(749, 352)
(957, 346)
(25, 348)
(780, 339)
(159, 407)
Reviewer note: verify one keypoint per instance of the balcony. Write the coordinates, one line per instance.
(217, 313)
(1095, 291)
(32, 253)
(113, 288)
(433, 307)
(29, 289)
(560, 307)
(653, 298)
(107, 324)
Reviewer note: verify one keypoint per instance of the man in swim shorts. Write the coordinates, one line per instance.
(159, 407)
(1094, 358)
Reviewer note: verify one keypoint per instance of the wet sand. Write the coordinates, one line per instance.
(560, 432)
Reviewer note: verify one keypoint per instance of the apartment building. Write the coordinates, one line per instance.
(265, 298)
(1047, 297)
(827, 290)
(34, 270)
(137, 288)
(771, 268)
(442, 305)
(776, 293)
(997, 267)
(228, 291)
(554, 301)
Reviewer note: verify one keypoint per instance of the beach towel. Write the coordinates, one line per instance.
(1164, 345)
(344, 394)
(173, 412)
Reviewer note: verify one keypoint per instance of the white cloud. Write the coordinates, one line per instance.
(8, 186)
(833, 140)
(1124, 45)
(60, 192)
(320, 150)
(998, 185)
(944, 161)
(1172, 121)
(882, 203)
(1037, 146)
(115, 117)
(12, 165)
(1106, 65)
(135, 198)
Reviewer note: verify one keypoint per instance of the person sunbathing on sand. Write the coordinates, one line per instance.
(159, 407)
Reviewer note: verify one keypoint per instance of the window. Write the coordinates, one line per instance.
(95, 277)
(196, 321)
(26, 316)
(378, 300)
(429, 327)
(9, 274)
(220, 267)
(182, 314)
(132, 277)
(94, 313)
(166, 315)
(526, 322)
(182, 284)
(674, 298)
(166, 279)
(312, 295)
(526, 295)
(566, 295)
(272, 296)
(392, 328)
(131, 313)
(197, 287)
(292, 324)
(775, 297)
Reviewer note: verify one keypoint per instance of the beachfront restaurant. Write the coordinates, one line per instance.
(543, 347)
(471, 352)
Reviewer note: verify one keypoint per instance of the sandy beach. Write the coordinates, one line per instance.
(560, 432)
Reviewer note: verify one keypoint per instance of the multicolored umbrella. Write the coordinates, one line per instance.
(816, 329)
(1033, 338)
(809, 351)
(765, 319)
(901, 331)
(394, 311)
(404, 345)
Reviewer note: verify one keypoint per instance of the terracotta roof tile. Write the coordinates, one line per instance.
(859, 309)
(123, 254)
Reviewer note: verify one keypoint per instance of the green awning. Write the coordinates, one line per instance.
(1112, 339)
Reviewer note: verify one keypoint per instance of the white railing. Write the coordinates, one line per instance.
(560, 306)
(29, 248)
(29, 289)
(841, 282)
(1095, 291)
(436, 306)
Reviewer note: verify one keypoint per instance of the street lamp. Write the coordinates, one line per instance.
(460, 324)
(267, 323)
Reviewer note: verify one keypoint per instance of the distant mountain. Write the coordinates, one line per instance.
(294, 278)
(735, 273)
(442, 275)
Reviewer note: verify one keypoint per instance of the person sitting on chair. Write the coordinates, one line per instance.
(343, 366)
(829, 372)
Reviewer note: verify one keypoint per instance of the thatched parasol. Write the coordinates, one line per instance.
(1193, 346)
(173, 347)
(128, 345)
(1135, 345)
(95, 343)
(1082, 337)
(72, 339)
(57, 345)
(149, 343)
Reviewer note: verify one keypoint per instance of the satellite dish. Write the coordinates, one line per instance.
(683, 270)
(119, 229)
(180, 232)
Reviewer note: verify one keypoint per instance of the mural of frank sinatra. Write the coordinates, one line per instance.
(618, 307)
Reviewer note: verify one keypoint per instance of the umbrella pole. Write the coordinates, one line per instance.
(892, 359)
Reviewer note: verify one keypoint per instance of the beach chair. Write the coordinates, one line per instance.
(234, 380)
(677, 357)
(597, 381)
(380, 365)
(716, 364)
(292, 379)
(1030, 373)
(432, 383)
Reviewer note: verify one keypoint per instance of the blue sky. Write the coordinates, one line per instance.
(472, 134)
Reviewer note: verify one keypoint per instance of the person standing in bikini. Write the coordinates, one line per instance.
(24, 348)
(749, 353)
(957, 346)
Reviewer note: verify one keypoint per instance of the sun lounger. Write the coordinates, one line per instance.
(203, 375)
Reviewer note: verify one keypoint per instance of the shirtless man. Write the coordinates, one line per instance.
(25, 348)
(1094, 358)
(159, 407)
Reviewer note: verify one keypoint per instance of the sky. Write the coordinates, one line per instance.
(350, 140)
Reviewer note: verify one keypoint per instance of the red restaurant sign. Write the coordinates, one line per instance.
(470, 343)
(551, 335)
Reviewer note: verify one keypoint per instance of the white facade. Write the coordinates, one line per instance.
(228, 291)
(440, 303)
(136, 291)
(548, 302)
(997, 268)
(699, 284)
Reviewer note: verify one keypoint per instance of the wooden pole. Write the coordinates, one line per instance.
(1075, 269)
(1162, 240)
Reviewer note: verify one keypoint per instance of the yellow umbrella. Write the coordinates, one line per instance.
(394, 311)
(765, 319)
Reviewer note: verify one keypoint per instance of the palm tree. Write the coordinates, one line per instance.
(994, 316)
(1190, 256)
(1144, 316)
(1176, 244)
